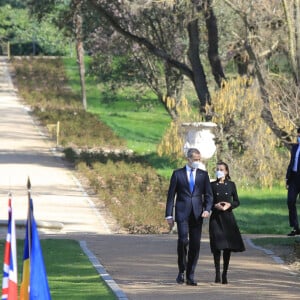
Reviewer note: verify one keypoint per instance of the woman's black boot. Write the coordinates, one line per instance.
(217, 257)
(226, 259)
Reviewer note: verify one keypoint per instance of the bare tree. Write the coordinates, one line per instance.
(292, 16)
(263, 38)
(114, 12)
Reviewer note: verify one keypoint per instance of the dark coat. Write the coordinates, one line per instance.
(289, 172)
(223, 230)
(198, 201)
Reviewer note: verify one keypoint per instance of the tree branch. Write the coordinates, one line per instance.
(184, 69)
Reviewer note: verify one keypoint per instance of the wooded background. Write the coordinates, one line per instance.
(235, 62)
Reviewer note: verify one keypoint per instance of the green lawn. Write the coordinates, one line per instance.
(263, 211)
(270, 241)
(70, 273)
(139, 119)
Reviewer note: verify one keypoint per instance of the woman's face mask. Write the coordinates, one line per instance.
(298, 139)
(220, 174)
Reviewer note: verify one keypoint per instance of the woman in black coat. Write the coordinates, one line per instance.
(223, 230)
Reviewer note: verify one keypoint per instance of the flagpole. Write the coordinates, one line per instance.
(29, 215)
(37, 282)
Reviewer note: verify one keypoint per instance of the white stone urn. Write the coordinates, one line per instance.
(200, 135)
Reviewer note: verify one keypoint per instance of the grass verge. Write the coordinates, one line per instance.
(287, 248)
(263, 211)
(70, 273)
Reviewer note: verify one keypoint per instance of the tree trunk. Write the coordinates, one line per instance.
(291, 38)
(80, 51)
(297, 38)
(174, 85)
(213, 47)
(266, 113)
(199, 78)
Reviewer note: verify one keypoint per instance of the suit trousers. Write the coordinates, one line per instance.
(188, 245)
(293, 192)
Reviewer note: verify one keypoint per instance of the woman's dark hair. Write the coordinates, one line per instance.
(227, 176)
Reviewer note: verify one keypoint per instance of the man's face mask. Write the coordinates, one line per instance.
(196, 164)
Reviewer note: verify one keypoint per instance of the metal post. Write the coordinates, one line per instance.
(8, 50)
(57, 134)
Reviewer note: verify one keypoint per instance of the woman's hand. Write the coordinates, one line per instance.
(223, 205)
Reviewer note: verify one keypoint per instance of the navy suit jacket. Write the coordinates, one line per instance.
(200, 200)
(292, 160)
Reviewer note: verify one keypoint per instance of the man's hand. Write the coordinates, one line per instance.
(205, 214)
(170, 223)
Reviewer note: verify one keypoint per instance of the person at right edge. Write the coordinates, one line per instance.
(224, 233)
(293, 186)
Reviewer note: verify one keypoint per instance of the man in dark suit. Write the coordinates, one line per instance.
(293, 186)
(191, 189)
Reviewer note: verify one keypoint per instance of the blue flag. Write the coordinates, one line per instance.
(36, 288)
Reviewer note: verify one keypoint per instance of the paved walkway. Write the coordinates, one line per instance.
(135, 266)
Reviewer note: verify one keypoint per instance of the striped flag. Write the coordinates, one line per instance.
(34, 284)
(10, 274)
(24, 289)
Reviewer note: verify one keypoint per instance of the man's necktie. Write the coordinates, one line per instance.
(298, 166)
(192, 181)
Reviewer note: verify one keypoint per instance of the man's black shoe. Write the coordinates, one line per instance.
(191, 282)
(294, 232)
(180, 278)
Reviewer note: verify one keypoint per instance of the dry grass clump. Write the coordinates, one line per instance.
(43, 85)
(132, 191)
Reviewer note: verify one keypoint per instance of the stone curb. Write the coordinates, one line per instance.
(102, 272)
(40, 224)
